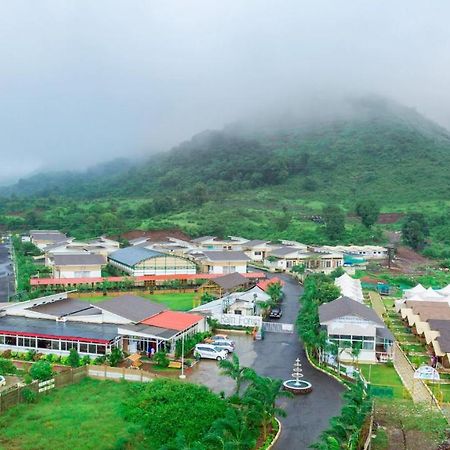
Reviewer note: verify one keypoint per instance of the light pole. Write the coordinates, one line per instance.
(182, 376)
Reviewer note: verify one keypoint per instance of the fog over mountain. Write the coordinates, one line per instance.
(86, 82)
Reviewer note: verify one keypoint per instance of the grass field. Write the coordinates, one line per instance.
(381, 375)
(81, 416)
(182, 301)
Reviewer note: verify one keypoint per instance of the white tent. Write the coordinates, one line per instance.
(350, 287)
(445, 290)
(416, 290)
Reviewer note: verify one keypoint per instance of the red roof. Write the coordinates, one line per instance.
(198, 276)
(264, 284)
(173, 320)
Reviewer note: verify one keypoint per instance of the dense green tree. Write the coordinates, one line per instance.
(334, 219)
(165, 408)
(415, 230)
(368, 211)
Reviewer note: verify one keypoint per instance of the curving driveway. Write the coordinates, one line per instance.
(274, 356)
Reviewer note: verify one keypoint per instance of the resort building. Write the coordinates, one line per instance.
(78, 265)
(139, 261)
(42, 238)
(215, 243)
(58, 323)
(220, 262)
(348, 322)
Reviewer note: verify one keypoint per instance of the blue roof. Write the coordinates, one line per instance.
(130, 256)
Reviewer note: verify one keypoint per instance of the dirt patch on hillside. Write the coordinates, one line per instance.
(409, 261)
(386, 218)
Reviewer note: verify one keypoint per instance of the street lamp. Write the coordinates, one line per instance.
(182, 376)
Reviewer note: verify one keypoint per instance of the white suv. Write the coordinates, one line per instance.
(210, 351)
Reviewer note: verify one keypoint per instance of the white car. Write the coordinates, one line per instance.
(2, 381)
(223, 343)
(210, 351)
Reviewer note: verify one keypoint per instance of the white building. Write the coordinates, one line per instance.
(348, 322)
(221, 262)
(79, 265)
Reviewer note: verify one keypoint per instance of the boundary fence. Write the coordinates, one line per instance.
(15, 394)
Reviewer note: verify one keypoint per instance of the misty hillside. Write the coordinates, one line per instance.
(373, 149)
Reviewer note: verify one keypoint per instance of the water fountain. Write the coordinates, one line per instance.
(296, 385)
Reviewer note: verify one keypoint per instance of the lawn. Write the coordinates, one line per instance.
(81, 416)
(381, 375)
(182, 301)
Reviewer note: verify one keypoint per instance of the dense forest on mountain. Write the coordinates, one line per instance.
(261, 180)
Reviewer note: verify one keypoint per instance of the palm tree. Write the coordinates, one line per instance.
(232, 432)
(181, 443)
(262, 395)
(356, 351)
(234, 370)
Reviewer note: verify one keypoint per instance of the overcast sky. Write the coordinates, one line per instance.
(86, 81)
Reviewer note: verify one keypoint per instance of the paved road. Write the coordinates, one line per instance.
(307, 415)
(6, 276)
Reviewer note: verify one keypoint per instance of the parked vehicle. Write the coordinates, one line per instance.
(2, 381)
(210, 351)
(219, 338)
(275, 312)
(222, 343)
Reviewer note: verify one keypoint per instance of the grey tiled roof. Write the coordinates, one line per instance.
(226, 255)
(62, 307)
(230, 281)
(345, 306)
(82, 259)
(131, 307)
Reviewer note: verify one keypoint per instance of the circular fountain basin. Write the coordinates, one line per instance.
(297, 387)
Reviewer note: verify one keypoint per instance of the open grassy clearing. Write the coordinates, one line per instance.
(384, 376)
(81, 416)
(182, 301)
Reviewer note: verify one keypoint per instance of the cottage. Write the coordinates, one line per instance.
(138, 261)
(225, 284)
(221, 262)
(215, 243)
(81, 265)
(348, 321)
(42, 238)
(285, 258)
(257, 250)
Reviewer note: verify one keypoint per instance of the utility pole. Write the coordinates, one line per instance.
(182, 376)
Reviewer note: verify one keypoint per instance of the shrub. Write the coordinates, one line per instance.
(161, 359)
(115, 357)
(99, 360)
(74, 358)
(30, 355)
(86, 360)
(29, 395)
(41, 370)
(27, 378)
(189, 408)
(7, 367)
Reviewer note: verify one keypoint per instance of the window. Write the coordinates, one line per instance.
(55, 345)
(83, 348)
(257, 253)
(92, 348)
(101, 349)
(2, 340)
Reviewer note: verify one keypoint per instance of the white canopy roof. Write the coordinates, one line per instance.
(350, 287)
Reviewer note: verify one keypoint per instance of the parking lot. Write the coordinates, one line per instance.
(274, 356)
(6, 274)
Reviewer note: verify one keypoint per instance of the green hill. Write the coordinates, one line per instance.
(239, 179)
